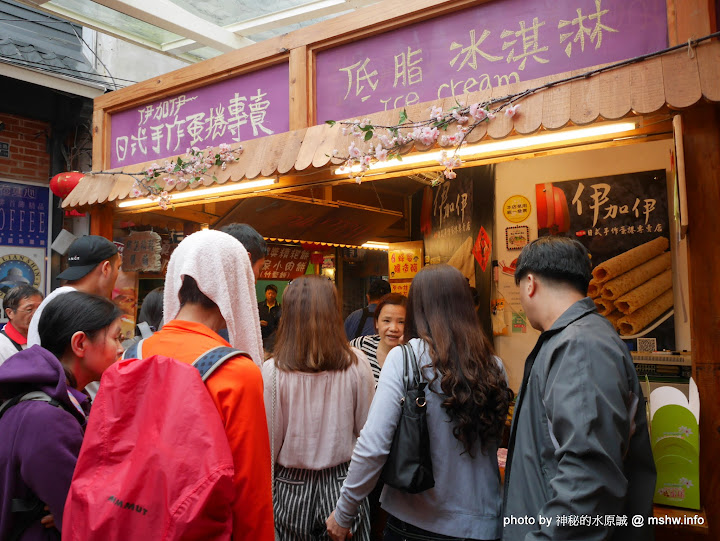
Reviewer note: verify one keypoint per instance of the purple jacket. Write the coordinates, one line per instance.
(40, 443)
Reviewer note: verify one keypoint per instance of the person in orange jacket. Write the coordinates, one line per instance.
(210, 286)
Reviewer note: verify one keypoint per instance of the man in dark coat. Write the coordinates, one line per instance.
(580, 465)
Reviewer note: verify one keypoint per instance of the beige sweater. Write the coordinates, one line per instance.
(318, 416)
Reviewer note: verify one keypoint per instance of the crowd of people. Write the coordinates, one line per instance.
(311, 467)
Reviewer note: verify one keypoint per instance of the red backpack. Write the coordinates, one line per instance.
(155, 462)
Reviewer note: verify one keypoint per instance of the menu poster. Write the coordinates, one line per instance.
(401, 287)
(21, 266)
(623, 218)
(284, 263)
(125, 295)
(450, 234)
(452, 219)
(405, 259)
(142, 252)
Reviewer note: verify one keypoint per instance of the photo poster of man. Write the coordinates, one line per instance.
(21, 266)
(623, 222)
(456, 222)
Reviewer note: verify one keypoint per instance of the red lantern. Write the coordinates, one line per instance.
(64, 183)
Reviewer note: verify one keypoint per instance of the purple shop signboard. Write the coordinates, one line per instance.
(499, 42)
(245, 107)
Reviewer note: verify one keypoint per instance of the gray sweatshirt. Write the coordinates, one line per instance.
(465, 501)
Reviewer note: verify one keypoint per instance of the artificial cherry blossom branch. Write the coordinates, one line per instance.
(386, 146)
(196, 165)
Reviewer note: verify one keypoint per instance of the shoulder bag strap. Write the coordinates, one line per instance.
(416, 376)
(406, 369)
(361, 323)
(39, 396)
(134, 351)
(211, 360)
(14, 343)
(272, 433)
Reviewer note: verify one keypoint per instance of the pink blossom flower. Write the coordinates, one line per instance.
(450, 162)
(381, 154)
(512, 110)
(425, 135)
(170, 182)
(135, 192)
(354, 151)
(461, 119)
(449, 174)
(358, 179)
(477, 112)
(436, 112)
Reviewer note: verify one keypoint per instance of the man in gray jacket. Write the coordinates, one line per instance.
(580, 464)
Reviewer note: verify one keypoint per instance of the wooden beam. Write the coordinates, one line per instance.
(689, 19)
(184, 213)
(99, 143)
(298, 88)
(101, 221)
(702, 165)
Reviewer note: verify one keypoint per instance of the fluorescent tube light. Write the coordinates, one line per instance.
(499, 146)
(200, 193)
(375, 245)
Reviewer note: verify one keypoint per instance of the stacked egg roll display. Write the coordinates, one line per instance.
(634, 288)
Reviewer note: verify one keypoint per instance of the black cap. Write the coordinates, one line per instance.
(85, 254)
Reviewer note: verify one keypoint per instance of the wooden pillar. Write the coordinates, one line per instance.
(688, 19)
(701, 140)
(101, 221)
(299, 108)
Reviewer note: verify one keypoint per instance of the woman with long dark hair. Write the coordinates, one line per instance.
(467, 405)
(42, 432)
(317, 394)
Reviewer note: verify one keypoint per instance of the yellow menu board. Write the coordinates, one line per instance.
(405, 260)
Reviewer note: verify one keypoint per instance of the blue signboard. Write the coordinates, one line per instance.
(24, 215)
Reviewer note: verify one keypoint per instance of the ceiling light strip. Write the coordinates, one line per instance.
(203, 193)
(503, 145)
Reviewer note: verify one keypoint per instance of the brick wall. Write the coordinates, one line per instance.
(29, 159)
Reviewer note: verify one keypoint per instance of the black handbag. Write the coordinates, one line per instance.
(409, 465)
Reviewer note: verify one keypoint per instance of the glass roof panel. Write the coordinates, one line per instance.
(223, 13)
(203, 53)
(250, 20)
(110, 17)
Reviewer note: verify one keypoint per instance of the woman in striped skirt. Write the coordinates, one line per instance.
(318, 392)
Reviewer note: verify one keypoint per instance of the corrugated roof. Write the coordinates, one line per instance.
(676, 80)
